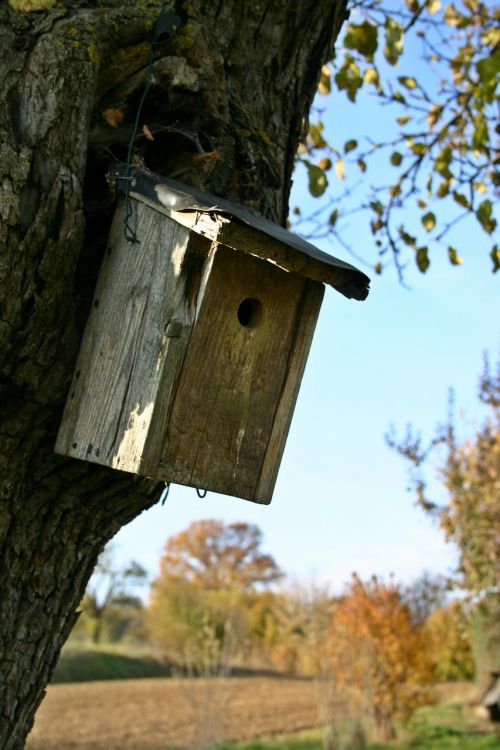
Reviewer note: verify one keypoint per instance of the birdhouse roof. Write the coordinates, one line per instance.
(238, 227)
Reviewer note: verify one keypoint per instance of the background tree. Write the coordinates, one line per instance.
(209, 579)
(110, 586)
(230, 91)
(378, 654)
(213, 555)
(469, 471)
(424, 595)
(450, 641)
(437, 154)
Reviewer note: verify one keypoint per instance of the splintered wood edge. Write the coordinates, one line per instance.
(244, 238)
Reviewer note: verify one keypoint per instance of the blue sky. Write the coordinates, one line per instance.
(340, 503)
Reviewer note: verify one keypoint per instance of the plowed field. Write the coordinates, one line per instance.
(154, 714)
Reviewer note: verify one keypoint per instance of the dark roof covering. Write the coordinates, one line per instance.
(177, 196)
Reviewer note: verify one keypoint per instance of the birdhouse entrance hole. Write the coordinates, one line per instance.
(249, 312)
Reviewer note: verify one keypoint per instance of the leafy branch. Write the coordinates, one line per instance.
(443, 149)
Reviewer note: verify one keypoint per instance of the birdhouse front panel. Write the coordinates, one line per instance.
(231, 411)
(196, 341)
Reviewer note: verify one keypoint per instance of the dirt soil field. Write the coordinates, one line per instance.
(155, 714)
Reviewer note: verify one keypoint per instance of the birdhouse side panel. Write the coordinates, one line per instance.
(242, 370)
(307, 316)
(110, 403)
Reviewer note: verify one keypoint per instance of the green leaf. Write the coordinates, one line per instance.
(317, 180)
(461, 199)
(348, 78)
(442, 163)
(362, 37)
(394, 38)
(484, 217)
(396, 158)
(362, 165)
(350, 146)
(377, 268)
(488, 68)
(422, 259)
(435, 112)
(454, 257)
(408, 82)
(480, 136)
(371, 76)
(325, 164)
(453, 18)
(419, 148)
(377, 207)
(315, 135)
(443, 189)
(429, 221)
(495, 257)
(407, 238)
(433, 6)
(403, 120)
(332, 219)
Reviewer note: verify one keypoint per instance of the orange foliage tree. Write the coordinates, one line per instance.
(214, 555)
(379, 653)
(207, 591)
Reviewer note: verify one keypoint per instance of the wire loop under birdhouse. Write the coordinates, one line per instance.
(201, 493)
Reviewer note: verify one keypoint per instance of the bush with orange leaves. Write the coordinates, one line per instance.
(379, 658)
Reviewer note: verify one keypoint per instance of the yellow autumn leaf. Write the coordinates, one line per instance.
(340, 169)
(433, 6)
(147, 132)
(113, 116)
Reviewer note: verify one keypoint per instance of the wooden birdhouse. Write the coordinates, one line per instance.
(197, 339)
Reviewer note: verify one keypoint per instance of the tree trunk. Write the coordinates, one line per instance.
(229, 95)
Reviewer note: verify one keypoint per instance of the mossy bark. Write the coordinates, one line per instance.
(229, 97)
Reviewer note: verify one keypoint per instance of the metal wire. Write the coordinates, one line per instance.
(164, 493)
(129, 231)
(201, 493)
(164, 29)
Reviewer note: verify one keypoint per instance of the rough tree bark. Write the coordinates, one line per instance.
(230, 93)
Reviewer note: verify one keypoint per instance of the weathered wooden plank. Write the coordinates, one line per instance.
(184, 306)
(222, 417)
(307, 316)
(110, 404)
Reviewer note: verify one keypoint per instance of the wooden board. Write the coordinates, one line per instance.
(235, 396)
(130, 332)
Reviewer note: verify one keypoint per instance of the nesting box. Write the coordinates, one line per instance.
(197, 339)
